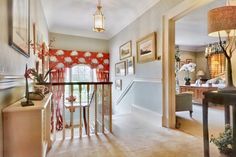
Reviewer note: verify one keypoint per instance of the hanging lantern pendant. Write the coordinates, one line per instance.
(99, 19)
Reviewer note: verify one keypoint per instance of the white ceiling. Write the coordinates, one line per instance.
(192, 28)
(75, 17)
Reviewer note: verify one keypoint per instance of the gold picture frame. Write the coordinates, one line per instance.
(126, 50)
(188, 61)
(19, 24)
(120, 68)
(130, 66)
(118, 84)
(146, 48)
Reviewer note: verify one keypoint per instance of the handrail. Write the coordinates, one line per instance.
(131, 84)
(125, 92)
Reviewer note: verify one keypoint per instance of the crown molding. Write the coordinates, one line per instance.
(192, 48)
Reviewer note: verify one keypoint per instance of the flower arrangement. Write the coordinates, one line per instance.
(33, 74)
(190, 67)
(71, 98)
(28, 102)
(224, 141)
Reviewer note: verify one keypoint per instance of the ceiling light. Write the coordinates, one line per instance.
(99, 19)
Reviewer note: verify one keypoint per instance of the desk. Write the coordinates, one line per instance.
(225, 99)
(197, 91)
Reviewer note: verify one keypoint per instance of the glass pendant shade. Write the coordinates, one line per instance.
(99, 20)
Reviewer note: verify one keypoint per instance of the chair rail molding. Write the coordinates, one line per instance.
(11, 81)
(137, 80)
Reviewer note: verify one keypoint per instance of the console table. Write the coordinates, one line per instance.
(197, 91)
(27, 129)
(225, 99)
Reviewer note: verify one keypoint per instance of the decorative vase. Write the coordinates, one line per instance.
(187, 81)
(39, 89)
(228, 153)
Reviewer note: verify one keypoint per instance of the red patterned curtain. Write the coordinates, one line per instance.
(61, 59)
(68, 58)
(58, 91)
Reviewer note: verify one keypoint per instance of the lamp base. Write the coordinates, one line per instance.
(27, 103)
(227, 89)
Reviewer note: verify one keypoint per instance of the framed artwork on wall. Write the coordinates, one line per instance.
(19, 34)
(37, 39)
(120, 68)
(126, 50)
(189, 61)
(118, 84)
(130, 66)
(181, 63)
(146, 48)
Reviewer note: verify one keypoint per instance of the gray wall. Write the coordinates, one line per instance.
(12, 62)
(146, 94)
(201, 62)
(69, 42)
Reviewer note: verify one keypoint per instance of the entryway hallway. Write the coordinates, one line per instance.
(136, 134)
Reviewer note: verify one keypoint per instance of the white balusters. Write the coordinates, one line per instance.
(93, 105)
(80, 111)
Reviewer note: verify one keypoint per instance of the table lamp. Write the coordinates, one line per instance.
(200, 73)
(222, 23)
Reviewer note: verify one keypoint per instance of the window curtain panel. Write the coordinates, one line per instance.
(68, 58)
(216, 63)
(58, 92)
(61, 59)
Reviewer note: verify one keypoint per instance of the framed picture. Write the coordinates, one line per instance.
(120, 68)
(146, 48)
(189, 61)
(19, 34)
(126, 50)
(181, 63)
(130, 66)
(37, 39)
(118, 84)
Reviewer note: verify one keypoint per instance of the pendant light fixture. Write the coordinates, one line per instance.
(99, 19)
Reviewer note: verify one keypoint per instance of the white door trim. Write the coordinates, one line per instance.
(168, 38)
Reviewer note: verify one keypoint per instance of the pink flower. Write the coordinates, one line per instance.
(71, 98)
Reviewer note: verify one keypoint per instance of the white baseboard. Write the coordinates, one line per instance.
(142, 110)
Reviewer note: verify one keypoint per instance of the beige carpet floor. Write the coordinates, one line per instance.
(134, 135)
(193, 126)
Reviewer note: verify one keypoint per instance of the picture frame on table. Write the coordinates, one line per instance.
(146, 48)
(19, 25)
(126, 50)
(118, 84)
(130, 66)
(120, 68)
(189, 61)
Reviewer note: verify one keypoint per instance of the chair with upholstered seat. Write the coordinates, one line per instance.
(184, 102)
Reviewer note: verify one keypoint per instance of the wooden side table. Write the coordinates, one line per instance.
(27, 129)
(225, 99)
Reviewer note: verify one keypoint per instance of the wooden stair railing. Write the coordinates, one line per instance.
(96, 107)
